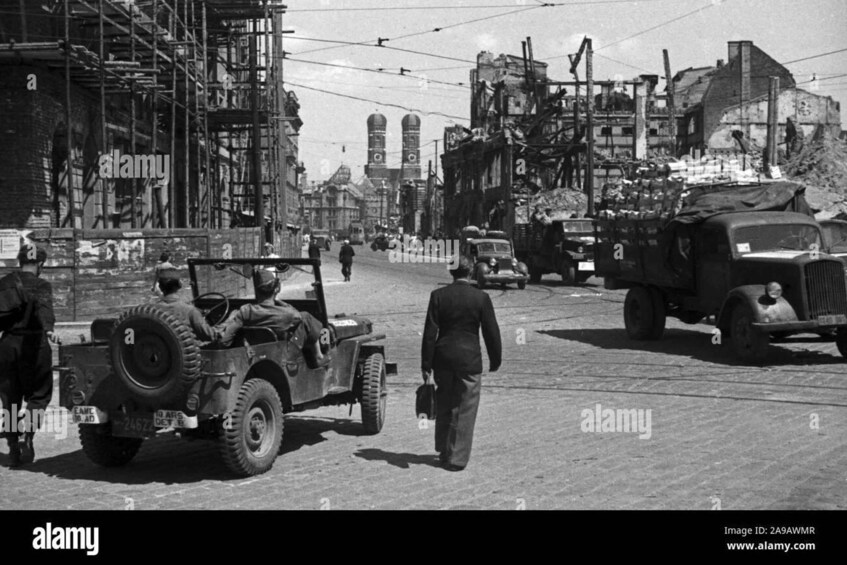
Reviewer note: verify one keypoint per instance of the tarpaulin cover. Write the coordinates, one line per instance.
(772, 197)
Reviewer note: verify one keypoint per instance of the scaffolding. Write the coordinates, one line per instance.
(201, 82)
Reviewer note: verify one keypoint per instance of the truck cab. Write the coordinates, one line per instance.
(758, 273)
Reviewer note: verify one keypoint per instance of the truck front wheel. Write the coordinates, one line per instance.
(748, 343)
(644, 314)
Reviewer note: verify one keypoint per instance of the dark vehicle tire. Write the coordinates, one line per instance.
(639, 312)
(521, 285)
(104, 449)
(328, 246)
(748, 343)
(535, 274)
(841, 341)
(582, 277)
(568, 272)
(250, 443)
(373, 246)
(163, 359)
(481, 271)
(374, 394)
(660, 315)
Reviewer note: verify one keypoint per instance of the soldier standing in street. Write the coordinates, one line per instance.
(450, 347)
(314, 249)
(26, 360)
(345, 256)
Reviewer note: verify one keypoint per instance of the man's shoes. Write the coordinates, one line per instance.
(27, 450)
(14, 455)
(453, 468)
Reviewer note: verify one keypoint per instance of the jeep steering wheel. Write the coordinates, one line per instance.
(208, 313)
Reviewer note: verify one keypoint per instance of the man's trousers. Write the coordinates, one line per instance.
(457, 399)
(26, 373)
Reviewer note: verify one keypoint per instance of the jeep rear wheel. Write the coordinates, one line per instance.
(748, 343)
(252, 434)
(644, 314)
(374, 394)
(104, 449)
(154, 354)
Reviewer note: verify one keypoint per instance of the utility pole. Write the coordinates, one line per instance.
(256, 173)
(773, 121)
(589, 125)
(671, 103)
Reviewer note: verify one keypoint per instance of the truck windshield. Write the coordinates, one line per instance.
(835, 236)
(755, 239)
(491, 247)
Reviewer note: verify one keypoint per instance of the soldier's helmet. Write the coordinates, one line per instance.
(30, 253)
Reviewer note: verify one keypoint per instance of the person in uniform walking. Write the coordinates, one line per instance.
(26, 359)
(276, 315)
(450, 348)
(170, 284)
(314, 249)
(345, 256)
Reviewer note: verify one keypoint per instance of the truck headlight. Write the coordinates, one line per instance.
(492, 261)
(581, 249)
(773, 290)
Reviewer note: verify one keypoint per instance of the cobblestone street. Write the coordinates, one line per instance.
(721, 435)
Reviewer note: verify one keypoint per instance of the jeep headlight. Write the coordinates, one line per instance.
(773, 290)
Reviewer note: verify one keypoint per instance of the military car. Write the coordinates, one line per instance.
(144, 374)
(494, 261)
(564, 247)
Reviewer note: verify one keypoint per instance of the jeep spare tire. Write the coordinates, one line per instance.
(154, 354)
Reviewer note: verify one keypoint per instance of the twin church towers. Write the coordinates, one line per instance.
(410, 164)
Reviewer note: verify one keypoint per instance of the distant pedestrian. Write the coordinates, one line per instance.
(345, 257)
(314, 249)
(450, 347)
(164, 264)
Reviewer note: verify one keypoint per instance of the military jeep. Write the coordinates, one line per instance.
(145, 374)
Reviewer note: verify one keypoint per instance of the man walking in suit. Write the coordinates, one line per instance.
(450, 347)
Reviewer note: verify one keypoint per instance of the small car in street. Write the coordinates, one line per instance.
(494, 261)
(323, 238)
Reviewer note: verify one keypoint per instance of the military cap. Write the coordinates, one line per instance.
(264, 277)
(30, 253)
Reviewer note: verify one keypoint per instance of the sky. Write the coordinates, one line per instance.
(628, 37)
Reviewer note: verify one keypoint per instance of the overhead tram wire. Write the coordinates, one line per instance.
(471, 7)
(354, 44)
(379, 71)
(387, 104)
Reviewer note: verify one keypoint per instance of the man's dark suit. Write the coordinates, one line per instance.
(451, 349)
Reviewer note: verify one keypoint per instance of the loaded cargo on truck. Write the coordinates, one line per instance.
(751, 256)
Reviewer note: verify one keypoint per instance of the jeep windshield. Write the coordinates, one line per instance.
(235, 280)
(777, 237)
(492, 248)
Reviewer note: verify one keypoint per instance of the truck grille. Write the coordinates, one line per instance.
(826, 289)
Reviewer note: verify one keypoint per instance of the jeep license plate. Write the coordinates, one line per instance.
(173, 419)
(833, 320)
(133, 425)
(586, 266)
(88, 415)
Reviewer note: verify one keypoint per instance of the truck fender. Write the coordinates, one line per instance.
(765, 310)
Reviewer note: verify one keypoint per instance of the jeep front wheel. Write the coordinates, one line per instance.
(374, 394)
(252, 433)
(104, 449)
(748, 343)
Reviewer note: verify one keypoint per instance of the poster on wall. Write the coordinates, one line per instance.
(10, 244)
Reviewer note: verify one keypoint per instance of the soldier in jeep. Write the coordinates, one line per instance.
(170, 284)
(277, 315)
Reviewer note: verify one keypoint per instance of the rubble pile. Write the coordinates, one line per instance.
(821, 166)
(565, 203)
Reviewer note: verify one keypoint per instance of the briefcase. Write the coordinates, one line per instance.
(425, 400)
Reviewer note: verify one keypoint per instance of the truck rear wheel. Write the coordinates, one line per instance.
(748, 343)
(374, 394)
(253, 433)
(535, 273)
(644, 314)
(568, 272)
(104, 449)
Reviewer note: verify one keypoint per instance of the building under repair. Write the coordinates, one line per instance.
(126, 122)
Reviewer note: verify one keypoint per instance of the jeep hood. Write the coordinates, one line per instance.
(350, 326)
